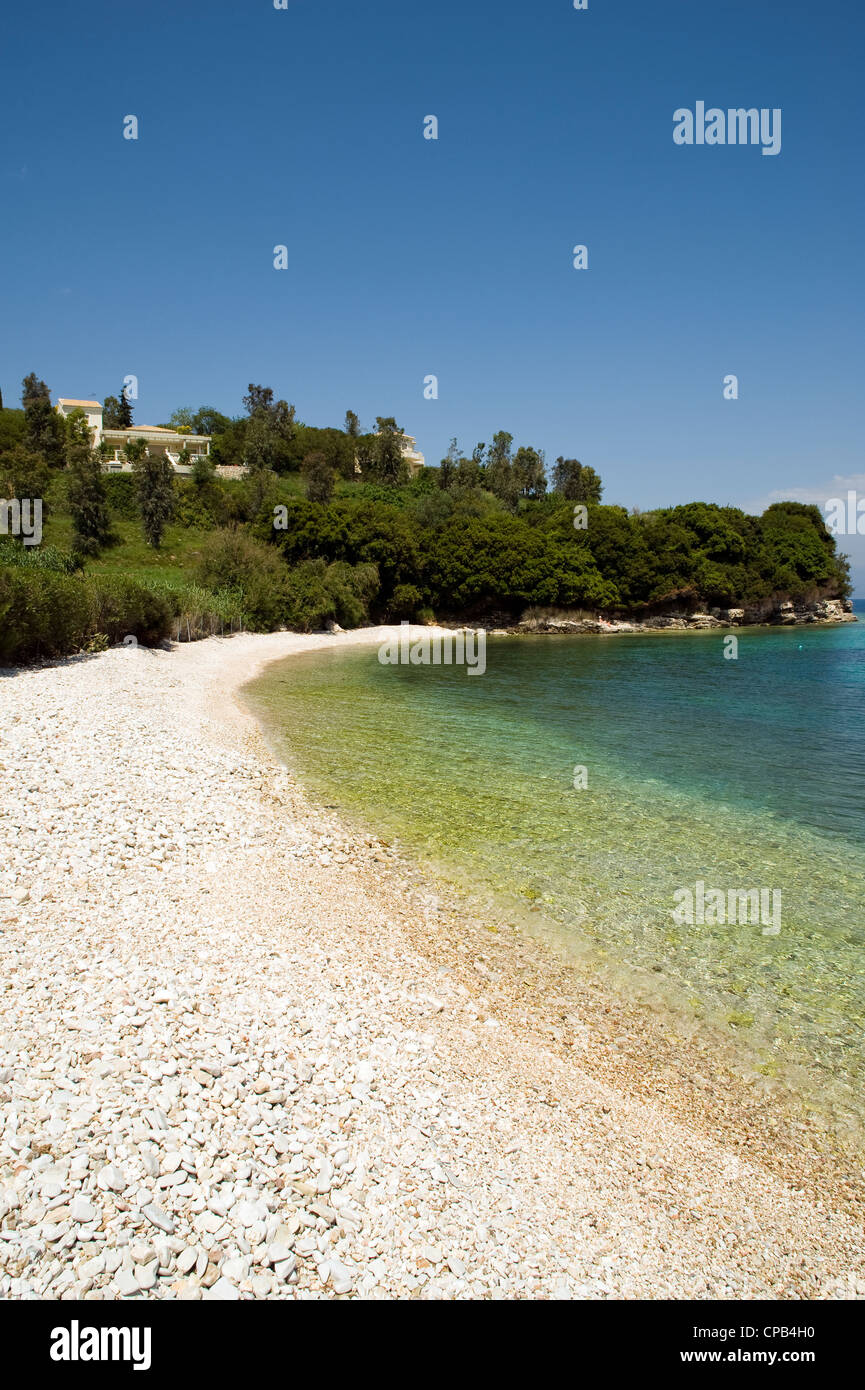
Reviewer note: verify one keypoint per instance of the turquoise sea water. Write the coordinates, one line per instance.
(746, 773)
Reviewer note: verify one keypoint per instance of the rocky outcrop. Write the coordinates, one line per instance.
(570, 625)
(826, 610)
(777, 613)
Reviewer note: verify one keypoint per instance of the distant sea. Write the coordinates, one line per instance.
(745, 773)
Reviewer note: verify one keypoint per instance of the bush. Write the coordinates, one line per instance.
(121, 493)
(41, 557)
(198, 507)
(234, 561)
(405, 601)
(41, 614)
(319, 477)
(47, 614)
(320, 593)
(122, 608)
(24, 474)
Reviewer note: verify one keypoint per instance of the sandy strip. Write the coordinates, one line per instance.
(244, 1053)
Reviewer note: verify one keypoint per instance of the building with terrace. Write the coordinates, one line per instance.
(180, 449)
(412, 455)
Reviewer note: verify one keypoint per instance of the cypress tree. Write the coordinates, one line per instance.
(155, 477)
(87, 500)
(44, 431)
(124, 412)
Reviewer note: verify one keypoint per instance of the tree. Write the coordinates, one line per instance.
(155, 479)
(269, 430)
(207, 420)
(468, 474)
(203, 471)
(499, 471)
(11, 428)
(446, 474)
(32, 389)
(88, 503)
(182, 420)
(260, 442)
(364, 456)
(284, 423)
(319, 477)
(23, 473)
(229, 443)
(388, 463)
(457, 471)
(448, 467)
(591, 485)
(135, 451)
(124, 412)
(259, 398)
(576, 482)
(258, 496)
(111, 413)
(528, 471)
(232, 559)
(117, 412)
(44, 431)
(352, 424)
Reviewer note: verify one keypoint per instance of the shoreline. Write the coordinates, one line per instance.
(642, 1029)
(426, 1107)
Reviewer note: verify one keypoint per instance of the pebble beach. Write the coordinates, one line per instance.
(247, 1053)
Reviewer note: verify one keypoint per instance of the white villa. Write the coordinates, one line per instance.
(158, 440)
(412, 455)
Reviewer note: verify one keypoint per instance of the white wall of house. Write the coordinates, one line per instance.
(92, 410)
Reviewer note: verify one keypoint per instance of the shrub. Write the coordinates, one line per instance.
(405, 601)
(196, 506)
(24, 474)
(321, 593)
(41, 614)
(121, 494)
(47, 614)
(319, 477)
(232, 560)
(353, 588)
(203, 471)
(120, 607)
(310, 605)
(41, 557)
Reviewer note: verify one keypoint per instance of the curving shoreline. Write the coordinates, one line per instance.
(213, 977)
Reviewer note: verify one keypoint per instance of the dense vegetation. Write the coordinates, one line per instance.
(306, 537)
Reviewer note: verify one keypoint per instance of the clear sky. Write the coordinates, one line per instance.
(410, 257)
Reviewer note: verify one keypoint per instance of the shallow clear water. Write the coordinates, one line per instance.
(746, 773)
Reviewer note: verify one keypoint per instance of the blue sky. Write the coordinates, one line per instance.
(408, 257)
